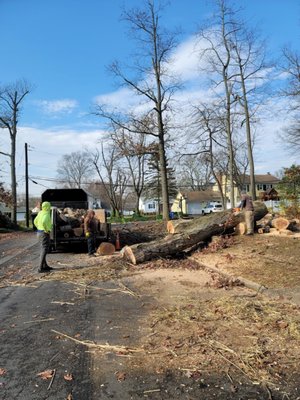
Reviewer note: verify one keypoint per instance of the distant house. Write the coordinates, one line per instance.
(148, 206)
(152, 206)
(264, 183)
(193, 202)
(269, 194)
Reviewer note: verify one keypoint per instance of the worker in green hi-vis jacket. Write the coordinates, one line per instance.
(43, 224)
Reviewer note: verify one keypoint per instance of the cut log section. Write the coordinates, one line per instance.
(197, 230)
(241, 228)
(106, 249)
(265, 229)
(280, 223)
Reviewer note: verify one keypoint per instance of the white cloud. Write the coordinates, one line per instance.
(119, 99)
(63, 106)
(46, 147)
(185, 60)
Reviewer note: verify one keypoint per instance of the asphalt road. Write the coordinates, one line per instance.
(31, 317)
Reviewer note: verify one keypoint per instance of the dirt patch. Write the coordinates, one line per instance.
(197, 331)
(271, 261)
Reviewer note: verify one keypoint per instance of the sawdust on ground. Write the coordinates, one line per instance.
(272, 261)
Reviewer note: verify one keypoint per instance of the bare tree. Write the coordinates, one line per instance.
(209, 123)
(75, 168)
(218, 55)
(113, 178)
(249, 56)
(133, 148)
(195, 172)
(292, 92)
(11, 97)
(236, 58)
(152, 82)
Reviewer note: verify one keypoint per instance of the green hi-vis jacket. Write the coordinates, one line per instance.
(43, 220)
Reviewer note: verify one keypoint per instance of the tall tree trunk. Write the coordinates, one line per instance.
(164, 180)
(229, 142)
(248, 133)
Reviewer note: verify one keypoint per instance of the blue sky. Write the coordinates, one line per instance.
(63, 48)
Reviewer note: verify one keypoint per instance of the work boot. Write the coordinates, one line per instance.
(45, 269)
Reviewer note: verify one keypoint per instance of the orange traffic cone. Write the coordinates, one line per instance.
(118, 247)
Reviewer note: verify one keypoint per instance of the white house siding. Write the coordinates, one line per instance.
(148, 206)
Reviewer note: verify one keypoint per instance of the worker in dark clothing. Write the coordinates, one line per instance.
(247, 206)
(43, 224)
(91, 228)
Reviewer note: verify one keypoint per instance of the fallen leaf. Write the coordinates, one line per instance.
(47, 374)
(282, 324)
(68, 377)
(121, 376)
(188, 374)
(70, 397)
(2, 371)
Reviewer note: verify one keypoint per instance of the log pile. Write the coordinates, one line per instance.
(278, 225)
(187, 235)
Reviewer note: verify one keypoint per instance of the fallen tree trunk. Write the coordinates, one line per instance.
(197, 230)
(174, 226)
(180, 226)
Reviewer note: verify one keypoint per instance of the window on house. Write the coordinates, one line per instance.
(151, 206)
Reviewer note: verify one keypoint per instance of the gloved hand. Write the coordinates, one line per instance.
(87, 234)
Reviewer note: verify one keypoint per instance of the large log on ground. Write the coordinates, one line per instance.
(181, 225)
(174, 226)
(197, 230)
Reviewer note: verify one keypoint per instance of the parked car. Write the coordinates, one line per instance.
(210, 208)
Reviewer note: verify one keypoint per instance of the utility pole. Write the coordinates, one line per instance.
(26, 186)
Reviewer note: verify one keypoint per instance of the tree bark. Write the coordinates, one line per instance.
(198, 230)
